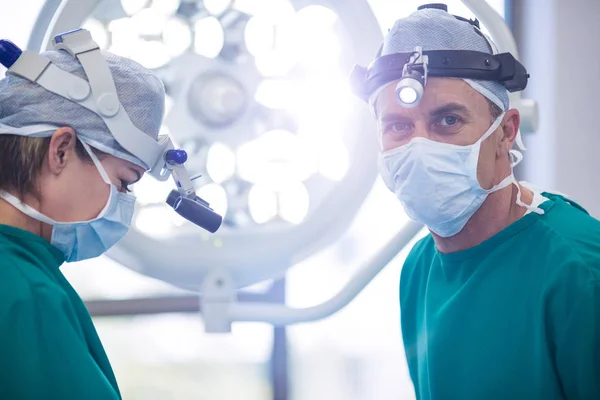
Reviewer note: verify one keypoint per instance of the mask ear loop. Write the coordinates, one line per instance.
(103, 174)
(97, 163)
(27, 209)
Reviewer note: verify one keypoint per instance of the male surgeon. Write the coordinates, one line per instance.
(502, 299)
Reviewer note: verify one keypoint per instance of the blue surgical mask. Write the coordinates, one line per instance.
(437, 182)
(87, 239)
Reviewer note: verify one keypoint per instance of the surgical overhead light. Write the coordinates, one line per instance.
(217, 99)
(280, 145)
(217, 7)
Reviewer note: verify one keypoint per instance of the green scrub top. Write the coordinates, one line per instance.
(516, 317)
(49, 348)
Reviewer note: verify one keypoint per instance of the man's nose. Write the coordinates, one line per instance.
(421, 129)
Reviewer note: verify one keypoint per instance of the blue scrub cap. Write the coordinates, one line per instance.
(435, 29)
(142, 94)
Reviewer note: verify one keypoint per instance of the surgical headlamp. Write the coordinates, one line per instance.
(412, 69)
(100, 96)
(414, 77)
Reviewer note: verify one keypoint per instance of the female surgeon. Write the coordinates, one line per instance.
(64, 183)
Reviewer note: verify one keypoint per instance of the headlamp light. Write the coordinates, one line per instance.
(411, 86)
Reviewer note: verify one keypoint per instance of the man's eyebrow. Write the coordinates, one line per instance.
(450, 108)
(436, 112)
(392, 116)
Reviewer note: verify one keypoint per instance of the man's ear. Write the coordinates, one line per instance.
(61, 149)
(510, 128)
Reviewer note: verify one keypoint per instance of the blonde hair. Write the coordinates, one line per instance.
(21, 161)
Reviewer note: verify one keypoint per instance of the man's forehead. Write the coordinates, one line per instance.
(438, 91)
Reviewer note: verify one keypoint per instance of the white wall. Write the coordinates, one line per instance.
(559, 44)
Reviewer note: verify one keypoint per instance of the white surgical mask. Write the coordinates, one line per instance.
(87, 239)
(437, 182)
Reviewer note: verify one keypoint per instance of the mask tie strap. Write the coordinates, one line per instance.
(516, 157)
(104, 176)
(492, 128)
(519, 202)
(504, 183)
(26, 209)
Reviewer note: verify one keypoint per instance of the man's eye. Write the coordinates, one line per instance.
(449, 120)
(398, 127)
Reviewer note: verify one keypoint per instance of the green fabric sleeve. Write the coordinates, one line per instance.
(44, 354)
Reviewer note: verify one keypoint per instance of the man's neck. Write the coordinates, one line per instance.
(497, 212)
